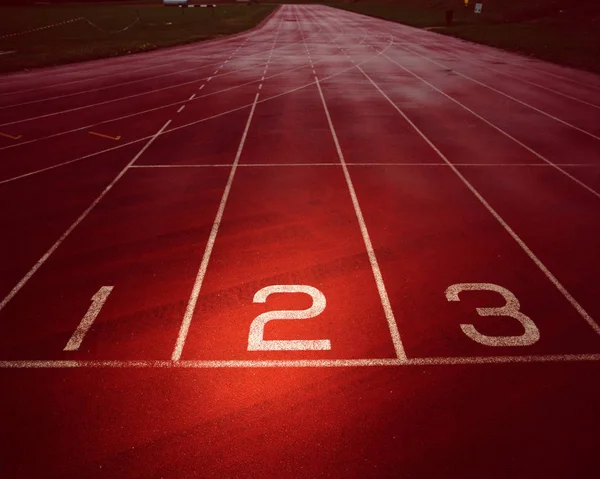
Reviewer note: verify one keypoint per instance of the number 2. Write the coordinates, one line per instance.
(511, 309)
(257, 328)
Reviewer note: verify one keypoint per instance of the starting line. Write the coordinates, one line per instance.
(301, 363)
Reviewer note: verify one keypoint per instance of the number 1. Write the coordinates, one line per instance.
(98, 301)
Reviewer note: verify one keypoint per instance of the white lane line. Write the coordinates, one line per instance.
(209, 79)
(224, 165)
(389, 314)
(497, 128)
(444, 165)
(181, 108)
(260, 86)
(582, 312)
(542, 112)
(98, 301)
(385, 302)
(192, 97)
(191, 306)
(64, 236)
(302, 363)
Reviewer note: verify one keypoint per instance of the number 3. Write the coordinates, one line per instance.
(257, 328)
(510, 309)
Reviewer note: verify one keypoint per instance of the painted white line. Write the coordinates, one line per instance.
(181, 108)
(260, 86)
(192, 97)
(209, 79)
(224, 165)
(497, 128)
(98, 301)
(191, 306)
(64, 236)
(302, 363)
(389, 314)
(582, 312)
(385, 302)
(542, 112)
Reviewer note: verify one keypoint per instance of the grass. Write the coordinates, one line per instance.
(150, 27)
(559, 31)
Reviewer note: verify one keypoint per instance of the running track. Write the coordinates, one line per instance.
(426, 210)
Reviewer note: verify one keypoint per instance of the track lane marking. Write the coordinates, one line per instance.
(308, 363)
(385, 302)
(78, 335)
(191, 306)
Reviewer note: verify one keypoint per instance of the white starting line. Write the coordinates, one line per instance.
(301, 363)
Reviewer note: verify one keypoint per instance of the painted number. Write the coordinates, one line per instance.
(257, 328)
(511, 310)
(98, 301)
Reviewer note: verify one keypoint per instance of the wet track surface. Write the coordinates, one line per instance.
(330, 246)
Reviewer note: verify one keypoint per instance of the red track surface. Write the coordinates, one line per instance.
(377, 163)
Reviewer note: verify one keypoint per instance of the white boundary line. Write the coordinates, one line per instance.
(385, 302)
(53, 248)
(300, 363)
(191, 306)
(276, 165)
